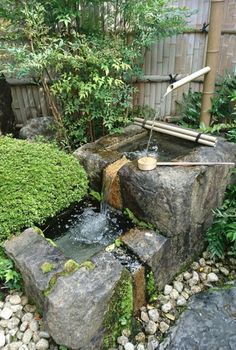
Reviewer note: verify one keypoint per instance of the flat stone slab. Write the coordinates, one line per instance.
(150, 248)
(208, 324)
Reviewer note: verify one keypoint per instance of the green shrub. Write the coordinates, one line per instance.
(36, 182)
(221, 236)
(8, 275)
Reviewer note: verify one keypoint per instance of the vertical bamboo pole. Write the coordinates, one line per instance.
(213, 47)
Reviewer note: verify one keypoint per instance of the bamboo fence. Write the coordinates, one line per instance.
(181, 55)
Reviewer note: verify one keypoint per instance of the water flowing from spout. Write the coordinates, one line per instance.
(153, 123)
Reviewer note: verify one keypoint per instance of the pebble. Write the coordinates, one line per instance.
(2, 338)
(185, 295)
(170, 316)
(27, 317)
(144, 316)
(24, 300)
(164, 327)
(196, 289)
(129, 346)
(13, 322)
(153, 343)
(30, 308)
(24, 326)
(181, 301)
(27, 336)
(174, 294)
(167, 307)
(153, 315)
(6, 313)
(212, 277)
(15, 299)
(44, 334)
(178, 286)
(224, 271)
(140, 337)
(23, 347)
(42, 344)
(187, 276)
(33, 325)
(151, 327)
(202, 262)
(140, 347)
(15, 345)
(167, 289)
(195, 265)
(122, 340)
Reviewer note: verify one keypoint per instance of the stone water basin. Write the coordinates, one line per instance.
(83, 230)
(178, 200)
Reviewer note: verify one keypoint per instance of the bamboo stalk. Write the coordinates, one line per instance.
(177, 129)
(177, 134)
(212, 58)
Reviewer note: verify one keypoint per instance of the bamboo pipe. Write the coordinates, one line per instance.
(187, 79)
(173, 133)
(212, 54)
(176, 128)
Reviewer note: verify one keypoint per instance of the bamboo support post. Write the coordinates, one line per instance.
(212, 54)
(177, 134)
(177, 129)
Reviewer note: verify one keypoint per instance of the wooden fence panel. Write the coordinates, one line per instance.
(181, 54)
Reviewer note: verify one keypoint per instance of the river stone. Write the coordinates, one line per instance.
(209, 323)
(15, 299)
(6, 313)
(2, 338)
(40, 126)
(24, 251)
(212, 277)
(78, 318)
(42, 344)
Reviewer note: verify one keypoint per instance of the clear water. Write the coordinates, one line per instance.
(83, 232)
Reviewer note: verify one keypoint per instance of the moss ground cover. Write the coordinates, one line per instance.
(36, 182)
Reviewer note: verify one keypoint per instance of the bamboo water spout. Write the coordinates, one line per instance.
(187, 79)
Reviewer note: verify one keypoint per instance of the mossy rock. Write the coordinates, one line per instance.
(120, 312)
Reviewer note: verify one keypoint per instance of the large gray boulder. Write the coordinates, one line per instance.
(209, 323)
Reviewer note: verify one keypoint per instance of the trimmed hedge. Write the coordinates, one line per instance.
(37, 181)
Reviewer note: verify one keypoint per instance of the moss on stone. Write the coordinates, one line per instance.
(38, 231)
(71, 266)
(47, 267)
(120, 311)
(51, 242)
(88, 264)
(151, 287)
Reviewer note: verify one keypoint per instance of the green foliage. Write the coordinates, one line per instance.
(151, 287)
(87, 53)
(221, 236)
(37, 181)
(189, 109)
(8, 275)
(223, 109)
(137, 222)
(120, 312)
